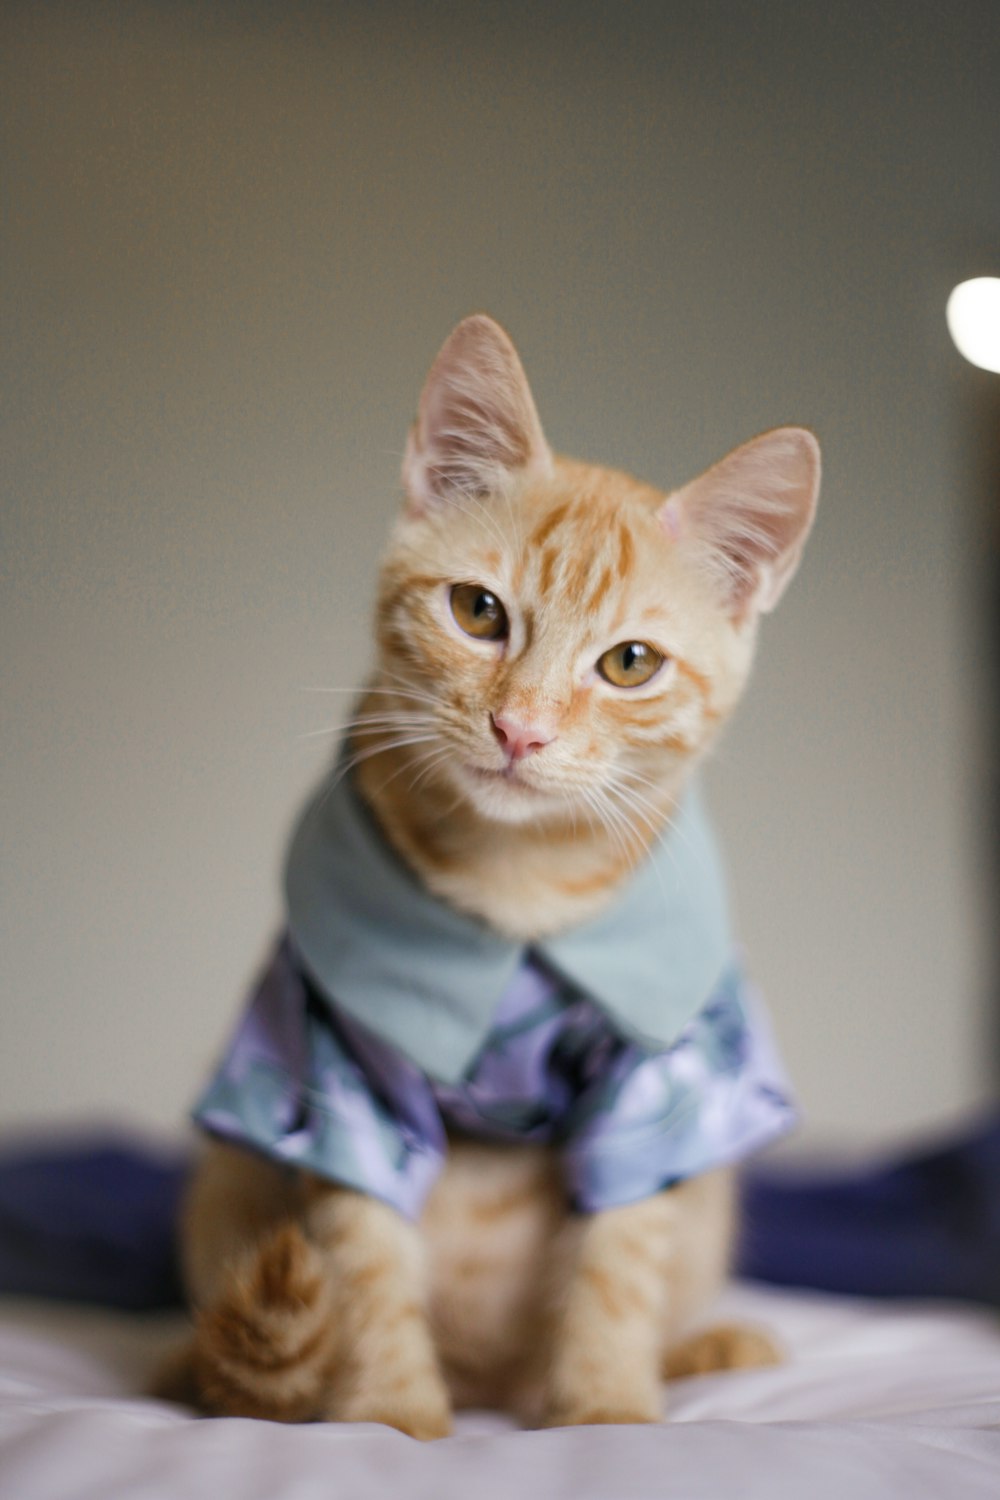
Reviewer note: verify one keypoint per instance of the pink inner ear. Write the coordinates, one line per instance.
(470, 437)
(752, 512)
(669, 516)
(477, 424)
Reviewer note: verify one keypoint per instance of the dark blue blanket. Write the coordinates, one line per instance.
(92, 1221)
(95, 1221)
(924, 1225)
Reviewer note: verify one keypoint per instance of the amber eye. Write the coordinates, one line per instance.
(479, 612)
(630, 664)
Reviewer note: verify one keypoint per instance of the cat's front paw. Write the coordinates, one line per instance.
(727, 1346)
(604, 1410)
(601, 1401)
(423, 1413)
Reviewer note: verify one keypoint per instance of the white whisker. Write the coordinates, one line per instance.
(639, 806)
(635, 834)
(676, 831)
(362, 692)
(401, 720)
(603, 814)
(422, 763)
(316, 734)
(400, 683)
(372, 723)
(366, 754)
(431, 762)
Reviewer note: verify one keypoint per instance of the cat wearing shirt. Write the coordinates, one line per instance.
(514, 1193)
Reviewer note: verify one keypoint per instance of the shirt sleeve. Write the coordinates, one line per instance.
(309, 1088)
(654, 1119)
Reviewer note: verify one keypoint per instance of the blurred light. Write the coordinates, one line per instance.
(973, 315)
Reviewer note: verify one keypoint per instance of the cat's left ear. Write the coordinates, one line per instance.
(749, 515)
(476, 427)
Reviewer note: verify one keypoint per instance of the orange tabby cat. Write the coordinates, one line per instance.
(558, 646)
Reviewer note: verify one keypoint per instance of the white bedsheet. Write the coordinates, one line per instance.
(876, 1401)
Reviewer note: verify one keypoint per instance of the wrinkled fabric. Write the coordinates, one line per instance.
(308, 1085)
(871, 1403)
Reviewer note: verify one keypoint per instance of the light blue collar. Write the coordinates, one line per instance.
(428, 979)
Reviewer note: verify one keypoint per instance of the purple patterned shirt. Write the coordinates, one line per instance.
(309, 1086)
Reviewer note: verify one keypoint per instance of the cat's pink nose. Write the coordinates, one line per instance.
(518, 740)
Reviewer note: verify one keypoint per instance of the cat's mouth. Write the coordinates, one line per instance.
(506, 776)
(504, 795)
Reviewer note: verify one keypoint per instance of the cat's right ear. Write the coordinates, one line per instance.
(476, 427)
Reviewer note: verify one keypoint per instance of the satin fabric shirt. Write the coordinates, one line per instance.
(385, 1019)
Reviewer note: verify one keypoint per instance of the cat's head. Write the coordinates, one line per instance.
(565, 637)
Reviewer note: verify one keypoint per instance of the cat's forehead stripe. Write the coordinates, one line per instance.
(547, 570)
(589, 571)
(579, 572)
(601, 588)
(626, 551)
(546, 527)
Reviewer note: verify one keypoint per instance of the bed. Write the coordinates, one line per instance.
(876, 1400)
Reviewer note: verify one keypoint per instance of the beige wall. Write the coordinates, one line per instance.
(234, 238)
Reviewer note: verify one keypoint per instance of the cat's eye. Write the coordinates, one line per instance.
(478, 612)
(630, 664)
